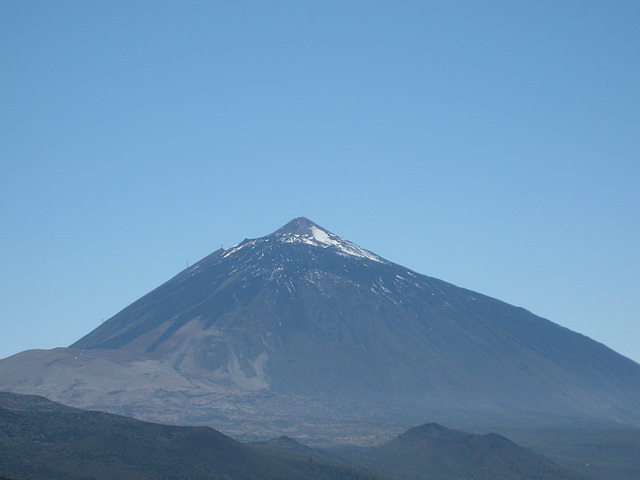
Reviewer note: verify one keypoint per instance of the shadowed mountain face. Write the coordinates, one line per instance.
(41, 439)
(433, 452)
(303, 323)
(44, 439)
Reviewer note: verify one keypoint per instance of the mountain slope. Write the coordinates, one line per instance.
(289, 447)
(303, 332)
(41, 439)
(433, 452)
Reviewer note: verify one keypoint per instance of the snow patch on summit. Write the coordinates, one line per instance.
(302, 230)
(321, 238)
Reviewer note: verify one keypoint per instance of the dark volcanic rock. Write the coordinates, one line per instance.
(434, 452)
(39, 439)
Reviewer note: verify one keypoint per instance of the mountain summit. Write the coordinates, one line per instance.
(302, 326)
(300, 226)
(303, 230)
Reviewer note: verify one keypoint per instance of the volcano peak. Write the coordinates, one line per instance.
(303, 230)
(299, 226)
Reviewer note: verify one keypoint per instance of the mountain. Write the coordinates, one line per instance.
(290, 448)
(304, 333)
(42, 439)
(433, 452)
(598, 452)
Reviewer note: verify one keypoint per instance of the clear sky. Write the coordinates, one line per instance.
(494, 145)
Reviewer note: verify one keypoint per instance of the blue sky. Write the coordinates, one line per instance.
(495, 145)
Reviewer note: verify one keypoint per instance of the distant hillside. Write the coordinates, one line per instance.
(40, 439)
(433, 452)
(289, 447)
(601, 452)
